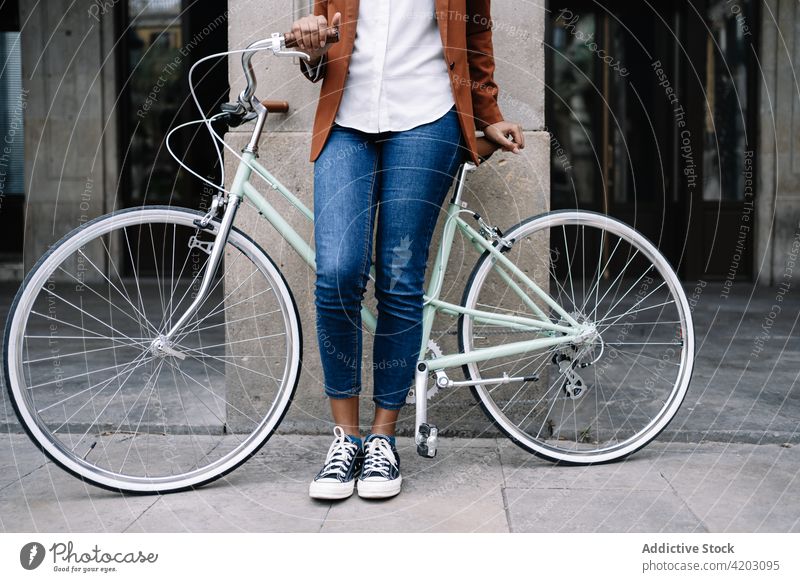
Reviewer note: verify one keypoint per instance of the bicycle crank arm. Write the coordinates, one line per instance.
(426, 436)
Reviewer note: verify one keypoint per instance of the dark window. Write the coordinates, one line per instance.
(163, 39)
(651, 111)
(12, 134)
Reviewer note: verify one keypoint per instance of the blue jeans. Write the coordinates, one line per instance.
(402, 177)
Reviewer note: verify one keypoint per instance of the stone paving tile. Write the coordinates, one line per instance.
(224, 507)
(739, 488)
(639, 471)
(486, 485)
(51, 500)
(415, 510)
(18, 457)
(574, 510)
(458, 490)
(284, 462)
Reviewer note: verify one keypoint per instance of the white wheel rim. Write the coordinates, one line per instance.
(122, 481)
(666, 414)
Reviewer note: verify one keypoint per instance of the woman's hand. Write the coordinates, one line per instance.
(499, 133)
(311, 32)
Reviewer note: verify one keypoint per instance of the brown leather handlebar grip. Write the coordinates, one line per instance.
(333, 37)
(276, 106)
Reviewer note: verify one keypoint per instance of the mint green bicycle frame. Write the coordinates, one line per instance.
(567, 331)
(558, 334)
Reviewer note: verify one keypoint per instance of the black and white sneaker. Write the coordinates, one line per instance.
(337, 477)
(380, 474)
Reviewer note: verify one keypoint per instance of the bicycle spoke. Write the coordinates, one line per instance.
(78, 309)
(124, 296)
(207, 389)
(165, 318)
(135, 273)
(155, 373)
(631, 311)
(103, 383)
(137, 341)
(155, 267)
(591, 402)
(215, 310)
(65, 356)
(124, 291)
(648, 369)
(569, 264)
(640, 355)
(201, 357)
(241, 319)
(171, 303)
(82, 374)
(129, 372)
(632, 287)
(106, 401)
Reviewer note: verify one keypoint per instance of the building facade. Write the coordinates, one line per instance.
(681, 118)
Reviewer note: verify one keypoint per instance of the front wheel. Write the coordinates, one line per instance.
(93, 390)
(597, 400)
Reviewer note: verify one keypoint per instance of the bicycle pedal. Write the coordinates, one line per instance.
(428, 440)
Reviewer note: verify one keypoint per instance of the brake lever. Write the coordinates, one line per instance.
(235, 114)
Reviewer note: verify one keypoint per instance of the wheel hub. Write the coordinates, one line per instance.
(162, 347)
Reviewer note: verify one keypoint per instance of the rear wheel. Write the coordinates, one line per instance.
(96, 396)
(598, 400)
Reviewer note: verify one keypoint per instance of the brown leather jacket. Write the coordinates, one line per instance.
(466, 30)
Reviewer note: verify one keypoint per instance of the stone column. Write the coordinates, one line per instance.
(505, 190)
(777, 234)
(70, 126)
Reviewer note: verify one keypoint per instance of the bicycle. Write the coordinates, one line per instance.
(151, 370)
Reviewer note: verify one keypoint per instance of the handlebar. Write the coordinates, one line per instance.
(275, 106)
(331, 38)
(281, 45)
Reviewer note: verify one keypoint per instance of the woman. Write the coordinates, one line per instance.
(404, 91)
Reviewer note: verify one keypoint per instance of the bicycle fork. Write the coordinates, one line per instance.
(163, 345)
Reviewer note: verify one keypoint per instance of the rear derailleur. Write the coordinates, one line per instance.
(567, 361)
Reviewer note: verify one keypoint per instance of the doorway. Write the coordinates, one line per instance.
(161, 41)
(651, 110)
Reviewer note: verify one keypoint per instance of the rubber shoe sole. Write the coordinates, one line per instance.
(379, 489)
(325, 490)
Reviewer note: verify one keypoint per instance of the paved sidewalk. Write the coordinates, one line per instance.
(742, 405)
(486, 485)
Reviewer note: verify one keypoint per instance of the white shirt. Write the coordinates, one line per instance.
(398, 77)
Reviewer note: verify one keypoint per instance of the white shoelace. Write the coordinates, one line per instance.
(340, 455)
(379, 458)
